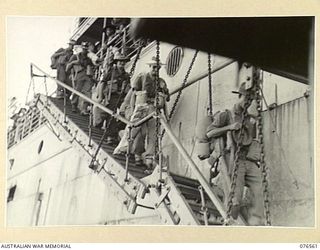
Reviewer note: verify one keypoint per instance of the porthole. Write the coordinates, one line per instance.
(40, 147)
(174, 61)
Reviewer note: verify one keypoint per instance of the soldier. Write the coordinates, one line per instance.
(249, 174)
(120, 23)
(143, 99)
(81, 66)
(115, 81)
(58, 61)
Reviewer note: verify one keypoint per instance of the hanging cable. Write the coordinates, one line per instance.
(157, 148)
(236, 160)
(174, 106)
(210, 84)
(263, 165)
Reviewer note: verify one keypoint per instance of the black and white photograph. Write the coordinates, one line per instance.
(162, 121)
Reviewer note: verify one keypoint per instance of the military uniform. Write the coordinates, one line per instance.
(61, 57)
(144, 136)
(114, 82)
(83, 81)
(249, 173)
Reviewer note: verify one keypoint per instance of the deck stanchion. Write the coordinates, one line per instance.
(90, 125)
(128, 152)
(64, 105)
(160, 156)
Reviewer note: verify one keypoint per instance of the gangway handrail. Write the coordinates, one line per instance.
(88, 99)
(220, 207)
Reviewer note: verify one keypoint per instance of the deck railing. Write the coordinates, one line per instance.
(25, 125)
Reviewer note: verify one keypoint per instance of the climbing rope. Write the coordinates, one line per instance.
(91, 165)
(263, 165)
(184, 82)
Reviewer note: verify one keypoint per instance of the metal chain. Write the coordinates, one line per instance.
(157, 135)
(137, 58)
(236, 160)
(210, 84)
(263, 165)
(180, 91)
(116, 106)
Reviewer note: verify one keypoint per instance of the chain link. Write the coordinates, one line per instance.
(181, 88)
(256, 88)
(141, 44)
(236, 160)
(157, 135)
(263, 165)
(210, 84)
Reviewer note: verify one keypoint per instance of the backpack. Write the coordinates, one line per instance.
(55, 60)
(54, 63)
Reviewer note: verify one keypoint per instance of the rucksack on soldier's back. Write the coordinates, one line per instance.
(55, 59)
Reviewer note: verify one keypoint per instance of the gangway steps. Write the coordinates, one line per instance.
(189, 189)
(96, 133)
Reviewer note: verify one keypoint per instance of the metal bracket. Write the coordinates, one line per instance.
(162, 197)
(74, 136)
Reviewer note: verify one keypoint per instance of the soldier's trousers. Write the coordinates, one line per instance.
(62, 76)
(250, 175)
(144, 136)
(83, 84)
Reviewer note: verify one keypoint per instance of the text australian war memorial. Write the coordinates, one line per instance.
(169, 121)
